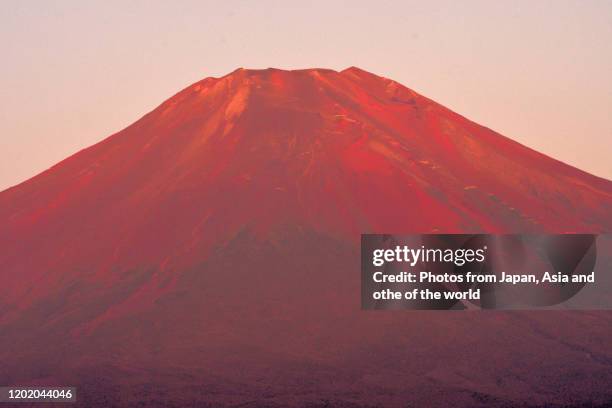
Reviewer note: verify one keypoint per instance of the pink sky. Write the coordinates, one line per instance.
(74, 72)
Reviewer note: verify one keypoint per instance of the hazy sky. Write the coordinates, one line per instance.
(73, 72)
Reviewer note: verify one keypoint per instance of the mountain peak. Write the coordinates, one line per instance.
(270, 70)
(224, 226)
(357, 71)
(289, 140)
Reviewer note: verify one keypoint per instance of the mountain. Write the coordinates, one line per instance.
(209, 252)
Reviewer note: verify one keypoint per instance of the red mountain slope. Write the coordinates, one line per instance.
(212, 246)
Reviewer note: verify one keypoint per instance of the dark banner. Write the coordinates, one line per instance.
(482, 271)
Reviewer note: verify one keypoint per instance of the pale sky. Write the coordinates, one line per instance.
(74, 72)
